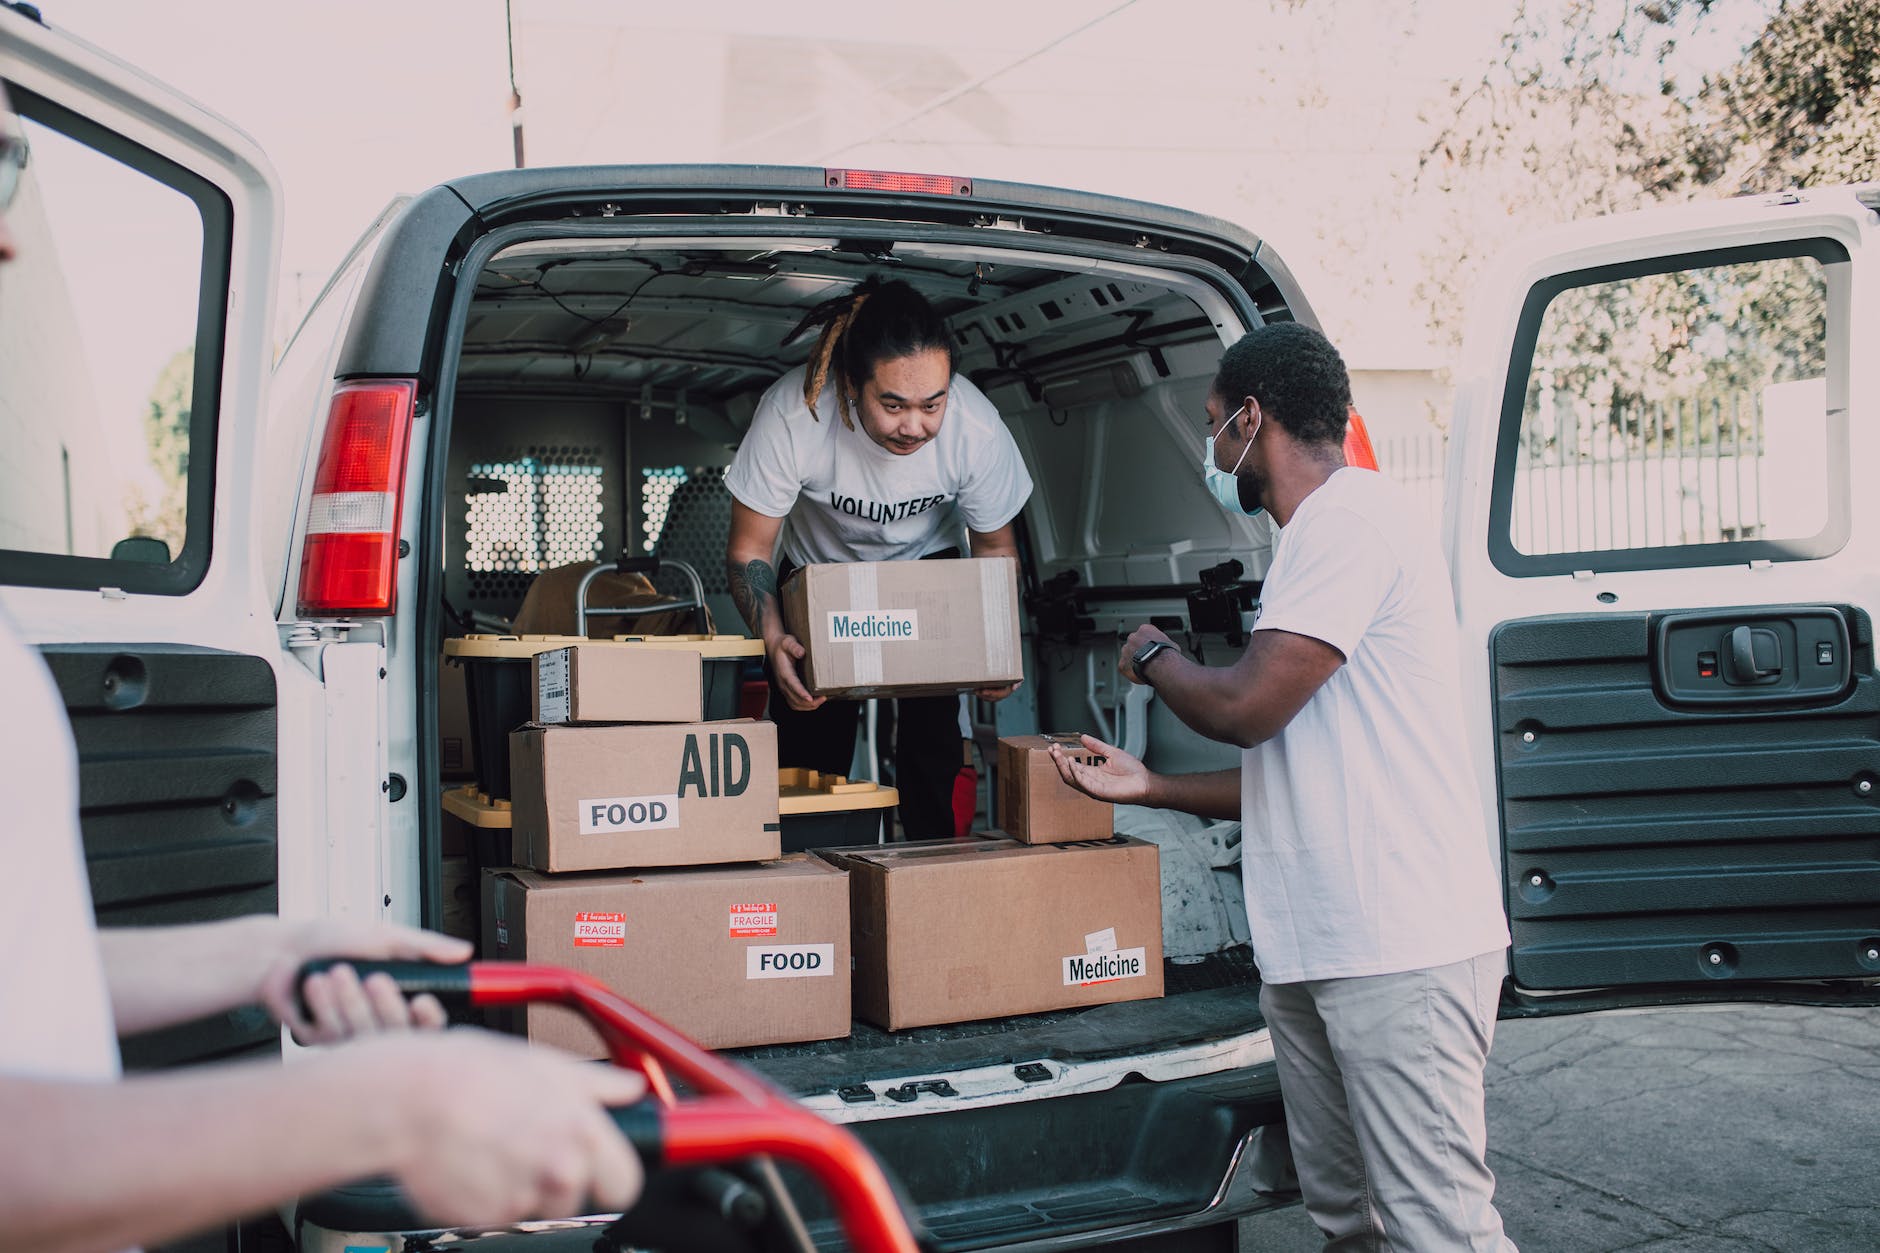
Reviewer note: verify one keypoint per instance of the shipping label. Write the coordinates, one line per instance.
(1086, 969)
(873, 626)
(600, 929)
(752, 920)
(789, 961)
(554, 688)
(610, 814)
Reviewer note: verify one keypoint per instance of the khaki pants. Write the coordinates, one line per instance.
(1382, 1080)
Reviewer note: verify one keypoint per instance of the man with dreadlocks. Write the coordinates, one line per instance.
(875, 450)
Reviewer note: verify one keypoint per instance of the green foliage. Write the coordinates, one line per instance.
(166, 432)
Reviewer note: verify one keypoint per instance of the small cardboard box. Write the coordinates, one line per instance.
(729, 955)
(1036, 805)
(954, 930)
(906, 628)
(607, 798)
(453, 725)
(599, 683)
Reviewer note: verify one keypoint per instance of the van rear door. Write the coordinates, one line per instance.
(133, 348)
(1667, 587)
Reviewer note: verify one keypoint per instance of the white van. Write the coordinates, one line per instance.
(243, 581)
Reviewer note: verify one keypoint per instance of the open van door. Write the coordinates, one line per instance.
(1667, 585)
(134, 342)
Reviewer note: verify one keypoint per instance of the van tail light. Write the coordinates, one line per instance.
(349, 566)
(895, 181)
(1358, 450)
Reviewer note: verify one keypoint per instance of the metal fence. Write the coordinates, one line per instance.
(1688, 470)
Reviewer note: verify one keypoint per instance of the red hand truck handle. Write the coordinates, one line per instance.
(734, 1115)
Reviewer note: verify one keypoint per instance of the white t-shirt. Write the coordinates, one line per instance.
(846, 498)
(55, 1012)
(1364, 847)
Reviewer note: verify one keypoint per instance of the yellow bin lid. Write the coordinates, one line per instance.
(810, 792)
(522, 647)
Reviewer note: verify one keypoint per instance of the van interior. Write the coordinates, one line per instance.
(603, 388)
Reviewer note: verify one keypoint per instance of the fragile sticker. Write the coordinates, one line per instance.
(610, 814)
(789, 961)
(753, 920)
(1087, 969)
(554, 690)
(873, 626)
(600, 929)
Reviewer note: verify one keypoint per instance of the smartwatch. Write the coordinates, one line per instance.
(1154, 648)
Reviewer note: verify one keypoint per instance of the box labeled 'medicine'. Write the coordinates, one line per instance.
(1036, 805)
(954, 930)
(729, 955)
(906, 627)
(613, 797)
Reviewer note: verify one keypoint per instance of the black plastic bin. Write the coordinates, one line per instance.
(498, 678)
(827, 811)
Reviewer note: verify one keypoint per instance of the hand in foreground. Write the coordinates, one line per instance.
(784, 654)
(995, 693)
(1138, 639)
(339, 1004)
(487, 1130)
(1120, 779)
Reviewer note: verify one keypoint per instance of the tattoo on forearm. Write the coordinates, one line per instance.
(753, 584)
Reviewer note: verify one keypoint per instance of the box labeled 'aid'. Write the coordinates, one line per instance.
(612, 683)
(613, 797)
(906, 628)
(1036, 805)
(955, 930)
(729, 955)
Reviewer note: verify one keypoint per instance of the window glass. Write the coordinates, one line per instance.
(1671, 410)
(102, 437)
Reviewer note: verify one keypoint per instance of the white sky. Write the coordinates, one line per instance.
(1297, 121)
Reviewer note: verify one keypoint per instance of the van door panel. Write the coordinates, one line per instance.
(1651, 843)
(177, 803)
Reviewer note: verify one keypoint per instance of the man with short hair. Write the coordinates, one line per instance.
(477, 1129)
(1372, 894)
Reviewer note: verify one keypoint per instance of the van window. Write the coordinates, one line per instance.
(1677, 416)
(110, 352)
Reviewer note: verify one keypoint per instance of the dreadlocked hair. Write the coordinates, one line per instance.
(877, 321)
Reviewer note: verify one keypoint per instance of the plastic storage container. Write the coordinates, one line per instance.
(498, 674)
(827, 811)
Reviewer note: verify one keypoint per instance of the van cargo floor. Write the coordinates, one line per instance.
(1213, 998)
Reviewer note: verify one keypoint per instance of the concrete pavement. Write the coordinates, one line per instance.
(1738, 1129)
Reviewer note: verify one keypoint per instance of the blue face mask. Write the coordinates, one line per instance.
(1223, 485)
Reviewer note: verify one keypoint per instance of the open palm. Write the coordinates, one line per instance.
(1118, 777)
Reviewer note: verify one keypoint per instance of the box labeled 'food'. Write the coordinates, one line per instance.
(730, 955)
(954, 930)
(613, 797)
(906, 628)
(1036, 805)
(608, 683)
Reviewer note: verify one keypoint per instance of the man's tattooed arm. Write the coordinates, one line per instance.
(753, 591)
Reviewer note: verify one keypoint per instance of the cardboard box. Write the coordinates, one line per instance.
(457, 882)
(1036, 805)
(729, 955)
(906, 628)
(606, 798)
(953, 930)
(608, 683)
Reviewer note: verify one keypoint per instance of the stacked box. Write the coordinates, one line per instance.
(1036, 805)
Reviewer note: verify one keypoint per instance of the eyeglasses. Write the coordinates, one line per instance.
(13, 153)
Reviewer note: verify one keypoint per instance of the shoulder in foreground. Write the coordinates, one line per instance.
(964, 397)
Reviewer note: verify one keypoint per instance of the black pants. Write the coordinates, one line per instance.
(927, 754)
(926, 751)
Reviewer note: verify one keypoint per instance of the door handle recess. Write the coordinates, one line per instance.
(1755, 655)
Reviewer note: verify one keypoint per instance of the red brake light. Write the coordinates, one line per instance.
(887, 180)
(1358, 450)
(350, 563)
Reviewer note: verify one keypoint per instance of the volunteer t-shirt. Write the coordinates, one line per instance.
(55, 1012)
(1365, 848)
(846, 498)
